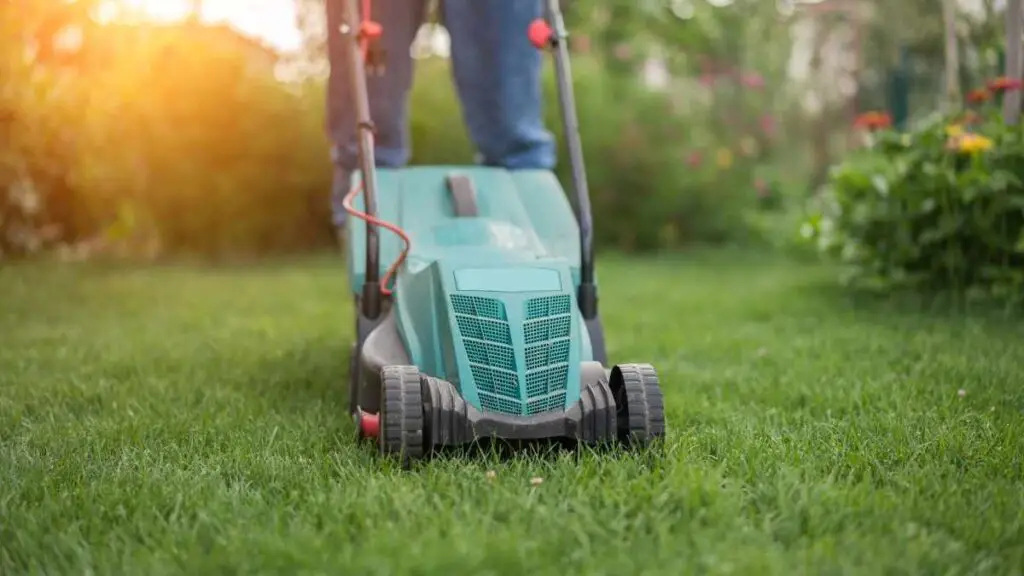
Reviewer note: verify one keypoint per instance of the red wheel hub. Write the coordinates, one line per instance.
(369, 424)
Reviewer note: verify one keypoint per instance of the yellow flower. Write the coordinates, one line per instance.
(724, 158)
(972, 143)
(954, 130)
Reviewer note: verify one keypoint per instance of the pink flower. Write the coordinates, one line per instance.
(768, 124)
(1005, 84)
(752, 80)
(707, 80)
(694, 159)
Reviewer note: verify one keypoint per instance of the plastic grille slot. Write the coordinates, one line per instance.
(547, 306)
(547, 329)
(542, 355)
(546, 380)
(546, 404)
(500, 382)
(495, 403)
(483, 324)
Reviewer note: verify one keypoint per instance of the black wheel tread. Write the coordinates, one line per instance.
(644, 410)
(598, 403)
(401, 418)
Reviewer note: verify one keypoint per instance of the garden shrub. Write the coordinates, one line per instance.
(939, 208)
(185, 144)
(644, 192)
(201, 152)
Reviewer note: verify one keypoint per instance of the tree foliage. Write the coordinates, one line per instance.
(181, 137)
(154, 135)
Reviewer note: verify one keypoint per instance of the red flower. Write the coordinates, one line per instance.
(978, 95)
(767, 123)
(873, 121)
(1005, 84)
(694, 159)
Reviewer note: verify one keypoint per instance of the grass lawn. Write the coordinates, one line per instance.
(187, 420)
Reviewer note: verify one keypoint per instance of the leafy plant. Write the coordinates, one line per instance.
(940, 208)
(180, 140)
(657, 177)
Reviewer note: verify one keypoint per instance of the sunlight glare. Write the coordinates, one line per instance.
(271, 20)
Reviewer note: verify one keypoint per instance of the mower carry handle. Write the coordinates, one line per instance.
(542, 34)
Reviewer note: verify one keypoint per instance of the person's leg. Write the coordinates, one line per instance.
(498, 77)
(389, 93)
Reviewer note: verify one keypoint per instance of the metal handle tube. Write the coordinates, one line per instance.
(371, 294)
(570, 124)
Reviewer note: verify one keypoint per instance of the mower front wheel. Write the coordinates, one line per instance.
(402, 421)
(639, 404)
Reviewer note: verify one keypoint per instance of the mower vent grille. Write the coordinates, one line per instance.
(547, 329)
(492, 360)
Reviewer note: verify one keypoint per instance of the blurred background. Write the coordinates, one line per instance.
(195, 128)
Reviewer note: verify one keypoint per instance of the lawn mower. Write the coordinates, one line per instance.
(486, 323)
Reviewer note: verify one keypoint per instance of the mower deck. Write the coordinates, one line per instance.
(421, 414)
(447, 420)
(416, 413)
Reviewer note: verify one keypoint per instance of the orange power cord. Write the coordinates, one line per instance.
(368, 29)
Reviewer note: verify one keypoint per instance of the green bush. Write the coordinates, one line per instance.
(199, 151)
(940, 208)
(644, 193)
(185, 144)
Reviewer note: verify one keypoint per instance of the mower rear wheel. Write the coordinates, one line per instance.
(639, 404)
(401, 413)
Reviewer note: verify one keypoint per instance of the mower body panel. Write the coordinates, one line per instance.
(486, 299)
(523, 214)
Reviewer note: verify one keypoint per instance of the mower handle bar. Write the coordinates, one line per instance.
(555, 38)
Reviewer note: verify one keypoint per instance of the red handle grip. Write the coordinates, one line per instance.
(540, 33)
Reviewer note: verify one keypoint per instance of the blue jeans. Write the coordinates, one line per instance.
(497, 75)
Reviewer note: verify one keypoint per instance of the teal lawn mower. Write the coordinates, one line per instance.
(487, 324)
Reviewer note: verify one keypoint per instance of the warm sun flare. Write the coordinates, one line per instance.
(272, 20)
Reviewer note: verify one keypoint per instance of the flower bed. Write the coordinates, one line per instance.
(940, 207)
